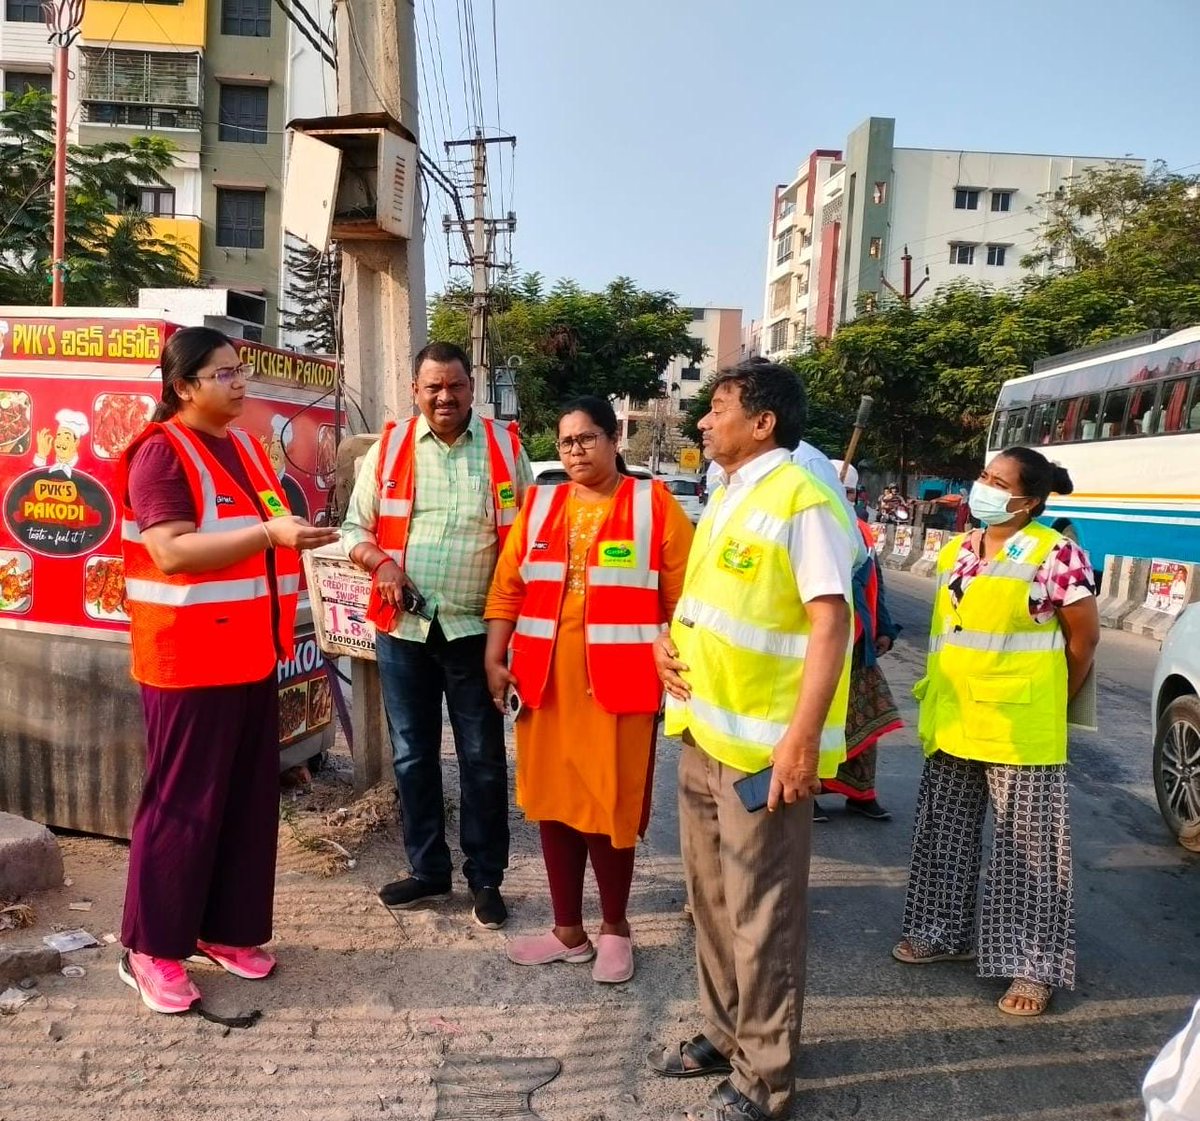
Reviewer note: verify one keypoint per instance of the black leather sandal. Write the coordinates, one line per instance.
(672, 1062)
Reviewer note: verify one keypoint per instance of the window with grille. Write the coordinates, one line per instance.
(18, 83)
(24, 11)
(142, 78)
(962, 254)
(241, 218)
(779, 336)
(243, 114)
(783, 247)
(246, 17)
(966, 198)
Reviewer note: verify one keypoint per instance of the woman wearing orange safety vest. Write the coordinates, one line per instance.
(591, 572)
(212, 576)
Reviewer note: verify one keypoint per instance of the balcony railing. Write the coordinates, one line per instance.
(140, 116)
(143, 78)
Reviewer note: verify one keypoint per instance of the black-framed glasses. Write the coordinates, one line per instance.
(227, 375)
(585, 441)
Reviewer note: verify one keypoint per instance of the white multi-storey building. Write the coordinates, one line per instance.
(841, 229)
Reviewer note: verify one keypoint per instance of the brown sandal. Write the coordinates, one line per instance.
(906, 952)
(1026, 990)
(672, 1061)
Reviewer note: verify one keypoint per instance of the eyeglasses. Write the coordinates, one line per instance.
(584, 442)
(227, 375)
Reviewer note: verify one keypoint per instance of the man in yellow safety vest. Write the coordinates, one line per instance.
(756, 666)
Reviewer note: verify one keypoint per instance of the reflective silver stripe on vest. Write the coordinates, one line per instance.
(130, 531)
(188, 595)
(208, 488)
(1012, 570)
(768, 526)
(622, 578)
(504, 441)
(224, 525)
(742, 634)
(289, 585)
(390, 453)
(397, 555)
(535, 628)
(751, 729)
(539, 511)
(395, 507)
(554, 571)
(621, 634)
(1022, 643)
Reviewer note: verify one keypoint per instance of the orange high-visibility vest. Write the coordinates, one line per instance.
(395, 476)
(622, 614)
(223, 627)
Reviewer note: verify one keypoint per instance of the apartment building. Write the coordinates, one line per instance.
(219, 79)
(841, 228)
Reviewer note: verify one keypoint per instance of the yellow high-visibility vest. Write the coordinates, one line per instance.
(995, 684)
(742, 629)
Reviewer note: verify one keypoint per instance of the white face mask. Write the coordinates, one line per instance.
(990, 504)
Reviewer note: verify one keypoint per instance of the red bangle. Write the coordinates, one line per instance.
(380, 565)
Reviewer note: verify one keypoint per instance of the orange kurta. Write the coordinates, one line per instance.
(577, 763)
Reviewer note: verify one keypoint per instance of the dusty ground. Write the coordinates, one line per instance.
(363, 1006)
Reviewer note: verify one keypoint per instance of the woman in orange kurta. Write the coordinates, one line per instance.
(583, 773)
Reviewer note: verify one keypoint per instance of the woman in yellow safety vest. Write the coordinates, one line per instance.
(1014, 633)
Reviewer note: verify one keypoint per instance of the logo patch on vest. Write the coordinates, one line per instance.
(1020, 548)
(539, 546)
(617, 554)
(741, 560)
(224, 500)
(506, 496)
(270, 500)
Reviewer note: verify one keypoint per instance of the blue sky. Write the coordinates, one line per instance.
(651, 134)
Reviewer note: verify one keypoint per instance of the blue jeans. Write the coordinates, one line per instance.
(414, 677)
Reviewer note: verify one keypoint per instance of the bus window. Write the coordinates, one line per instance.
(1041, 423)
(1193, 423)
(1014, 428)
(994, 439)
(1173, 415)
(1141, 411)
(1082, 416)
(1116, 405)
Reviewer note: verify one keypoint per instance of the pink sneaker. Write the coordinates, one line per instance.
(252, 963)
(163, 984)
(542, 949)
(614, 959)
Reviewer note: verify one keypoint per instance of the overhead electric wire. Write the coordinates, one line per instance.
(303, 31)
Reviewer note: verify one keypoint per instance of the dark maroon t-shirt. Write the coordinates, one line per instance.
(158, 488)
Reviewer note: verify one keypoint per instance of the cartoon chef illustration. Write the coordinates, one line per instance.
(283, 434)
(63, 443)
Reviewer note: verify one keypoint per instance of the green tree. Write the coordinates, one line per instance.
(110, 254)
(570, 341)
(313, 294)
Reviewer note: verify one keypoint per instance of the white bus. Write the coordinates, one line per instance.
(1126, 425)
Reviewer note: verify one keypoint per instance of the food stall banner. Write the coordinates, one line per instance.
(83, 340)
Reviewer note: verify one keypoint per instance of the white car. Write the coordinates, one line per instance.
(689, 493)
(1175, 695)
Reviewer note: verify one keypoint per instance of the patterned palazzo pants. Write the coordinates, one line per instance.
(1027, 925)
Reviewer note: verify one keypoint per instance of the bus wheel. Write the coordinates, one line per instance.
(1067, 528)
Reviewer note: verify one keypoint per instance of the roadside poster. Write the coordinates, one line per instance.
(934, 540)
(1168, 587)
(904, 541)
(879, 533)
(689, 459)
(340, 592)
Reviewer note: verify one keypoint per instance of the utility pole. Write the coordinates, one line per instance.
(479, 235)
(383, 284)
(63, 18)
(909, 292)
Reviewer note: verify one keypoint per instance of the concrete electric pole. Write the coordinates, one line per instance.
(479, 234)
(909, 291)
(383, 305)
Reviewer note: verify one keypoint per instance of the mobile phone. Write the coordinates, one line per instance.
(754, 789)
(512, 703)
(413, 602)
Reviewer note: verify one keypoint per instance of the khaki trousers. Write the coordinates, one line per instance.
(747, 880)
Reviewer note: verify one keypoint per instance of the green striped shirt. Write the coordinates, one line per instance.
(452, 544)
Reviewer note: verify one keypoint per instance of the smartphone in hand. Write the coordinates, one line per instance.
(754, 789)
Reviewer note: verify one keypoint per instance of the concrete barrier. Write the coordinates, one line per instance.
(934, 540)
(1170, 586)
(905, 550)
(29, 858)
(883, 541)
(1123, 589)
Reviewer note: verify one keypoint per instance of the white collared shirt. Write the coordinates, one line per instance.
(820, 549)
